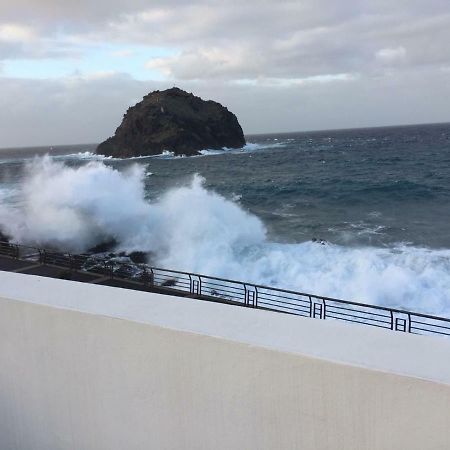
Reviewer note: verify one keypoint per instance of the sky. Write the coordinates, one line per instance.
(69, 69)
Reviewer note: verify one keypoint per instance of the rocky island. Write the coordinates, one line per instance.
(173, 120)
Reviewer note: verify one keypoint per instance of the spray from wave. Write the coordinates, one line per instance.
(191, 228)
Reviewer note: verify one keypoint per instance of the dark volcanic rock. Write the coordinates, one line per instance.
(3, 237)
(104, 246)
(138, 257)
(173, 120)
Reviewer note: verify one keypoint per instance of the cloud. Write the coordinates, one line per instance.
(232, 39)
(21, 41)
(10, 32)
(79, 108)
(15, 39)
(280, 65)
(286, 39)
(125, 53)
(227, 63)
(391, 55)
(88, 108)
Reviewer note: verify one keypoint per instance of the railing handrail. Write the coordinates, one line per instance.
(257, 286)
(319, 297)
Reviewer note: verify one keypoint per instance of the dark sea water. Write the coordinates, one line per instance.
(379, 197)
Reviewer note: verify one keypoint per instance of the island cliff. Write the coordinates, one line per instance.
(173, 120)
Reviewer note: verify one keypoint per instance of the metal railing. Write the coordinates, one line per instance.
(236, 292)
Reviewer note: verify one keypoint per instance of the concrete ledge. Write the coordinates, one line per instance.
(91, 367)
(426, 357)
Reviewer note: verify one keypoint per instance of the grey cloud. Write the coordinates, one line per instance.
(14, 50)
(89, 109)
(289, 39)
(280, 65)
(28, 42)
(65, 111)
(258, 37)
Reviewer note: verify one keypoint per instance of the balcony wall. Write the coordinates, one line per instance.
(89, 367)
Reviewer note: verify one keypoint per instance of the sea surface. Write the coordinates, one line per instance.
(359, 214)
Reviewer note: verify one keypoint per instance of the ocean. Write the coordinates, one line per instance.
(358, 214)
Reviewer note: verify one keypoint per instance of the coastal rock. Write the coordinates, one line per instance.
(173, 120)
(3, 237)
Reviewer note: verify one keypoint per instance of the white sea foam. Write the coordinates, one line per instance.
(89, 156)
(191, 228)
(213, 152)
(248, 148)
(167, 154)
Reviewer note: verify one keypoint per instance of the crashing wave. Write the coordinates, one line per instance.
(75, 208)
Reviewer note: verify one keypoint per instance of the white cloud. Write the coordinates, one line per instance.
(11, 32)
(214, 62)
(101, 75)
(391, 55)
(292, 82)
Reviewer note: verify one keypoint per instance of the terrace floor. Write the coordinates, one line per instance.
(32, 267)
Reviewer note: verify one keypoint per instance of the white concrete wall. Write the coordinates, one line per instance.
(89, 367)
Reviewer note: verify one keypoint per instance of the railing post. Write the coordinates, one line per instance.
(317, 308)
(401, 322)
(152, 277)
(195, 286)
(251, 296)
